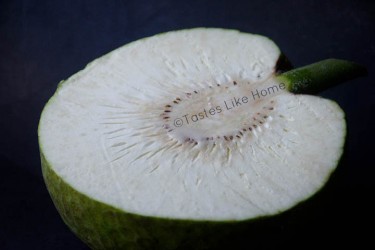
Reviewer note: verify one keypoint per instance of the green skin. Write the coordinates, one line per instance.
(102, 226)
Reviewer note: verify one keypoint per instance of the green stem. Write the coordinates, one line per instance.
(319, 76)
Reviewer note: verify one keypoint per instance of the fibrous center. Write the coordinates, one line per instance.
(223, 112)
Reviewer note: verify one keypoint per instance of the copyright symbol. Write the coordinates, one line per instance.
(178, 122)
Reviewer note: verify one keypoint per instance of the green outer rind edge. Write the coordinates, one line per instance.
(316, 77)
(102, 226)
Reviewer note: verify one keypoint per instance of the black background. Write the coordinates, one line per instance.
(43, 42)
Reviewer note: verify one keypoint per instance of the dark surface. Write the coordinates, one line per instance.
(43, 42)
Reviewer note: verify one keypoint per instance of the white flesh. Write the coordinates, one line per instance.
(105, 133)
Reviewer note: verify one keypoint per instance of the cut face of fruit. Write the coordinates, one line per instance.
(191, 125)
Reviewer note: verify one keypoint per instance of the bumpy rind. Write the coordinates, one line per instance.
(102, 226)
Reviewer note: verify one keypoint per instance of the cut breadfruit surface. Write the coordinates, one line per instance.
(167, 138)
